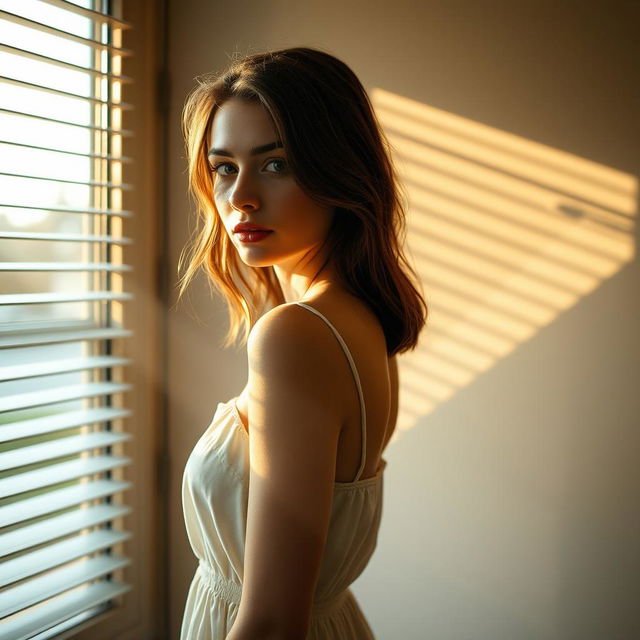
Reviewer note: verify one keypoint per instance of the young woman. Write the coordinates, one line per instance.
(302, 226)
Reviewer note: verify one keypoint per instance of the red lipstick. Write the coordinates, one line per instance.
(250, 232)
(249, 226)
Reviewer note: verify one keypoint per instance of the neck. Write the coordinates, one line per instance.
(313, 279)
(298, 289)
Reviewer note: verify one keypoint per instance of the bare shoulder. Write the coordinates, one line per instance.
(289, 336)
(289, 353)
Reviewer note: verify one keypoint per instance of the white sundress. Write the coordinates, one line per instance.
(215, 489)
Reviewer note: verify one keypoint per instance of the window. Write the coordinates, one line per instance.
(63, 282)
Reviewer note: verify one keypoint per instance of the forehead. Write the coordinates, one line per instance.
(239, 125)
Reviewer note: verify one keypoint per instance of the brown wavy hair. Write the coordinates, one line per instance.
(338, 154)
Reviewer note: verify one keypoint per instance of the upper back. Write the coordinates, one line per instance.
(360, 330)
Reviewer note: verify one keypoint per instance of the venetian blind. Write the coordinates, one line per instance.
(62, 291)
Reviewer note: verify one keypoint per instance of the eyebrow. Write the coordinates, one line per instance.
(254, 152)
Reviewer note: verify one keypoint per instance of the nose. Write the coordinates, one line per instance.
(244, 195)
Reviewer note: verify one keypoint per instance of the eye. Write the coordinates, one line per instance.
(282, 162)
(215, 168)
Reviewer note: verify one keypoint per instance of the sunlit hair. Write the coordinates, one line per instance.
(339, 156)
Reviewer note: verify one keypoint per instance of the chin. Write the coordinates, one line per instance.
(256, 261)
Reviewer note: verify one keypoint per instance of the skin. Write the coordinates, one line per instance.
(262, 190)
(300, 401)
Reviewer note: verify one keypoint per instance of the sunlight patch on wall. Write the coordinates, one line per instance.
(505, 235)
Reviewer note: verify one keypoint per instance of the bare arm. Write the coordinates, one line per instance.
(294, 426)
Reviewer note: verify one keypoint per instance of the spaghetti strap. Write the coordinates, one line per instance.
(354, 370)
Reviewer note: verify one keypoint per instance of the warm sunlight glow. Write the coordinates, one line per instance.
(49, 147)
(505, 235)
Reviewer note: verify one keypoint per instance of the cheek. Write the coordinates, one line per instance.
(316, 216)
(308, 213)
(220, 200)
(305, 208)
(222, 213)
(217, 195)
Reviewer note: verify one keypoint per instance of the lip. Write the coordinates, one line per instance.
(248, 226)
(253, 236)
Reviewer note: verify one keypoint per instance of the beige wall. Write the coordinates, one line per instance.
(511, 493)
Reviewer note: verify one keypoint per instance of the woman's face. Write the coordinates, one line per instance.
(252, 184)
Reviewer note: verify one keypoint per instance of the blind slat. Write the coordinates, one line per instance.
(57, 422)
(66, 94)
(59, 33)
(66, 123)
(59, 63)
(60, 394)
(62, 237)
(17, 512)
(64, 266)
(24, 338)
(90, 183)
(39, 589)
(51, 367)
(45, 298)
(60, 209)
(63, 608)
(62, 472)
(97, 156)
(98, 16)
(56, 554)
(59, 448)
(58, 526)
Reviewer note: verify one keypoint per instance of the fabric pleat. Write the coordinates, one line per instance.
(215, 490)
